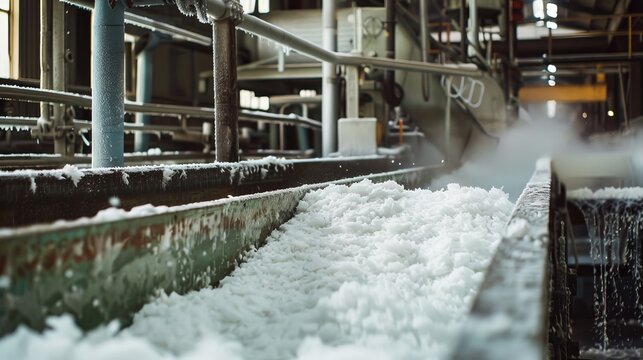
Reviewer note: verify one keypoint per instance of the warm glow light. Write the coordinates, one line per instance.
(584, 115)
(610, 113)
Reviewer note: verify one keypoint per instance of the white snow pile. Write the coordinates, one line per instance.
(607, 193)
(365, 271)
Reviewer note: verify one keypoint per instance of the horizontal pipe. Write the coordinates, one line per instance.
(252, 24)
(175, 32)
(19, 121)
(295, 99)
(37, 95)
(580, 58)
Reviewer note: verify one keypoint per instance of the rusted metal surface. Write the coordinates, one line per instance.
(226, 93)
(510, 317)
(103, 270)
(45, 196)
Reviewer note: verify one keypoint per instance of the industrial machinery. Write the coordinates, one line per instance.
(345, 93)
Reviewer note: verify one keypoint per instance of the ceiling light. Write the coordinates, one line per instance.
(551, 82)
(584, 115)
(610, 113)
(551, 68)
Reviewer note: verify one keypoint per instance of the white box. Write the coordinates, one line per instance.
(357, 136)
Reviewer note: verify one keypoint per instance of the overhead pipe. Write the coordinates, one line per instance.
(145, 22)
(144, 72)
(108, 84)
(330, 93)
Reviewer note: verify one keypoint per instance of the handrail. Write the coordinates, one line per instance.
(38, 95)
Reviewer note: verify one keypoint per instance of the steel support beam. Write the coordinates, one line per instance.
(564, 93)
(108, 85)
(226, 93)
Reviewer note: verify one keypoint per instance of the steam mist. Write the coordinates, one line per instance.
(514, 161)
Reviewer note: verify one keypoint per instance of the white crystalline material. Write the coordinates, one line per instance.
(368, 268)
(517, 228)
(366, 271)
(608, 193)
(65, 341)
(72, 173)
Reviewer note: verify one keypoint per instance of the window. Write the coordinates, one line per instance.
(5, 67)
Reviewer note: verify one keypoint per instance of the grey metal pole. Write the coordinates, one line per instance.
(226, 93)
(426, 46)
(64, 140)
(144, 70)
(108, 84)
(45, 58)
(329, 79)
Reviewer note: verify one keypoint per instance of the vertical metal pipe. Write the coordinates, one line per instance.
(144, 71)
(63, 139)
(302, 132)
(426, 46)
(463, 27)
(447, 123)
(45, 56)
(108, 84)
(472, 34)
(509, 36)
(352, 92)
(329, 79)
(226, 93)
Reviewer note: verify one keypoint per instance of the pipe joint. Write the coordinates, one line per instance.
(233, 10)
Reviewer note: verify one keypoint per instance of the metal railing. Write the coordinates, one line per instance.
(40, 95)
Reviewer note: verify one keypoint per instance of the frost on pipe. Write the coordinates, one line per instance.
(368, 271)
(614, 220)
